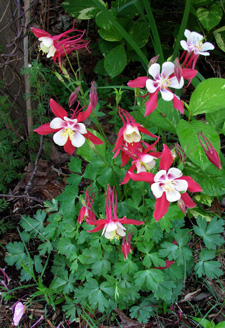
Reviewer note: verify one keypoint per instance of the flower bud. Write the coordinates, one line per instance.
(181, 206)
(93, 95)
(210, 151)
(153, 60)
(177, 70)
(73, 97)
(126, 245)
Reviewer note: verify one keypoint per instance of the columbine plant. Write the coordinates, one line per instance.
(88, 235)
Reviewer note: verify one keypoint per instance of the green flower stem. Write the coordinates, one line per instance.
(99, 127)
(189, 113)
(157, 43)
(122, 31)
(110, 166)
(182, 28)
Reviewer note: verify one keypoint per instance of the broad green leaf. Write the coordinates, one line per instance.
(210, 17)
(216, 119)
(212, 185)
(221, 325)
(115, 61)
(102, 21)
(205, 323)
(164, 290)
(111, 35)
(140, 32)
(208, 97)
(199, 3)
(81, 9)
(165, 116)
(220, 37)
(187, 133)
(87, 151)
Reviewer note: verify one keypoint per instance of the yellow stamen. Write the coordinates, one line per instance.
(169, 186)
(68, 132)
(114, 235)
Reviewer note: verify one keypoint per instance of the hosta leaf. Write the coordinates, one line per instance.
(210, 17)
(220, 37)
(115, 61)
(208, 97)
(187, 133)
(211, 185)
(81, 9)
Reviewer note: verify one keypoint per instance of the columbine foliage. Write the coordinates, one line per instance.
(122, 241)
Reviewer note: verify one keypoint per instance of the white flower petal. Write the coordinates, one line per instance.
(154, 70)
(184, 45)
(207, 46)
(57, 123)
(70, 119)
(121, 232)
(78, 139)
(175, 84)
(80, 127)
(47, 42)
(173, 196)
(147, 158)
(51, 52)
(181, 185)
(157, 190)
(151, 86)
(60, 138)
(112, 226)
(174, 173)
(109, 235)
(187, 33)
(195, 37)
(166, 94)
(167, 69)
(160, 176)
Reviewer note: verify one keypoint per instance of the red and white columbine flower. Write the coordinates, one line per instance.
(168, 185)
(59, 45)
(86, 212)
(129, 136)
(68, 132)
(142, 161)
(194, 47)
(112, 227)
(161, 83)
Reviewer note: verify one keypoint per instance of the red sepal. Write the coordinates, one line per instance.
(45, 129)
(40, 33)
(69, 148)
(151, 104)
(93, 138)
(142, 176)
(166, 159)
(192, 185)
(187, 200)
(140, 82)
(83, 115)
(57, 109)
(161, 207)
